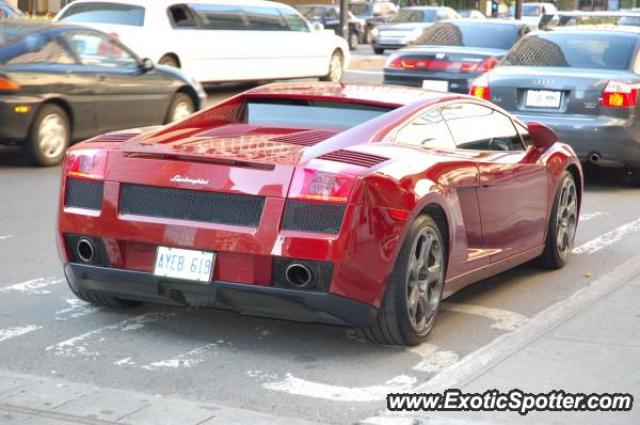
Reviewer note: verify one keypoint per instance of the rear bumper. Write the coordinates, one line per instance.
(414, 79)
(246, 299)
(14, 126)
(617, 141)
(388, 45)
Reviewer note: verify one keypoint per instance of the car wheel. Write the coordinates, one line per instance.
(181, 107)
(562, 225)
(414, 291)
(169, 60)
(49, 136)
(336, 65)
(353, 41)
(378, 51)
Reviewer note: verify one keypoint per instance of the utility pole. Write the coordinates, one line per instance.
(344, 19)
(518, 9)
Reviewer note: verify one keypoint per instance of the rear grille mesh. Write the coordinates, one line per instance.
(80, 193)
(319, 217)
(195, 205)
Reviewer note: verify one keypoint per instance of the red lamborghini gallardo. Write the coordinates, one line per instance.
(356, 205)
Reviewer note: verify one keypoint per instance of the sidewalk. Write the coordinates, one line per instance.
(595, 350)
(28, 400)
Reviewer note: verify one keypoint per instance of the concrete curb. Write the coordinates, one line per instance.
(367, 62)
(26, 399)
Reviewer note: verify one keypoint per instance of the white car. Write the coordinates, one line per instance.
(533, 12)
(218, 40)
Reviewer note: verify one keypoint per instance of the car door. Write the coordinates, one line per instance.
(308, 52)
(513, 189)
(126, 95)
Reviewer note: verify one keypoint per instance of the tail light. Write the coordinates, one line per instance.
(487, 65)
(465, 67)
(619, 95)
(8, 85)
(86, 163)
(480, 88)
(313, 185)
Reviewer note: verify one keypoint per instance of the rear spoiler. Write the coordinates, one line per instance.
(577, 17)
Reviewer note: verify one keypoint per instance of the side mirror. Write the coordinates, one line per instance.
(147, 65)
(543, 137)
(317, 26)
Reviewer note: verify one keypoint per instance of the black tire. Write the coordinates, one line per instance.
(181, 106)
(394, 325)
(353, 41)
(103, 300)
(378, 51)
(49, 136)
(635, 176)
(336, 68)
(556, 253)
(169, 60)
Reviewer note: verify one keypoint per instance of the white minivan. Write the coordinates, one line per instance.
(218, 40)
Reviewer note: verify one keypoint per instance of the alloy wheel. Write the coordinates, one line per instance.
(181, 111)
(567, 218)
(52, 135)
(335, 68)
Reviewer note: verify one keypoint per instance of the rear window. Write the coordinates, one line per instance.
(595, 51)
(308, 113)
(484, 35)
(414, 15)
(105, 13)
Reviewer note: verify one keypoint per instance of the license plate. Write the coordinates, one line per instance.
(184, 264)
(437, 85)
(543, 99)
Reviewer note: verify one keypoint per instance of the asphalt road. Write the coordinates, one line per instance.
(314, 372)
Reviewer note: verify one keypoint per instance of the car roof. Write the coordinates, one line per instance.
(365, 93)
(594, 29)
(165, 3)
(511, 22)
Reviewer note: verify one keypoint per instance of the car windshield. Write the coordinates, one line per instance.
(105, 13)
(527, 10)
(567, 49)
(359, 9)
(306, 113)
(414, 15)
(470, 34)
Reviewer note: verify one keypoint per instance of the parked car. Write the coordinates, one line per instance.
(471, 14)
(218, 40)
(581, 82)
(7, 10)
(345, 204)
(409, 24)
(532, 12)
(329, 16)
(374, 13)
(632, 19)
(62, 83)
(450, 55)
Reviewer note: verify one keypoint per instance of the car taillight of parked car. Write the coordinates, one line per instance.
(480, 88)
(313, 185)
(619, 95)
(86, 163)
(466, 67)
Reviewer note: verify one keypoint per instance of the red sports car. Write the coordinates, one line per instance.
(355, 205)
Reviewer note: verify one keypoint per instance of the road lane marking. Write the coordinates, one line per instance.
(34, 286)
(297, 386)
(433, 358)
(609, 238)
(186, 360)
(5, 237)
(504, 320)
(79, 345)
(9, 333)
(363, 71)
(591, 216)
(77, 308)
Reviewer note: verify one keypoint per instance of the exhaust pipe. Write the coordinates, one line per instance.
(86, 251)
(299, 275)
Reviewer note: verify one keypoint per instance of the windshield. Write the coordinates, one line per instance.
(470, 34)
(105, 13)
(359, 9)
(308, 113)
(414, 15)
(595, 51)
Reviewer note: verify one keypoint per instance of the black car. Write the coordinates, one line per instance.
(62, 83)
(373, 13)
(450, 55)
(329, 17)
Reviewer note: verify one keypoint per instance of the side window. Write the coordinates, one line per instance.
(477, 127)
(221, 17)
(524, 135)
(181, 17)
(428, 130)
(100, 50)
(265, 19)
(40, 48)
(294, 21)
